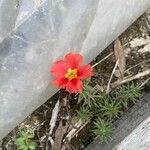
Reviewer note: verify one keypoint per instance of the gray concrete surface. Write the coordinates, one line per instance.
(139, 138)
(132, 130)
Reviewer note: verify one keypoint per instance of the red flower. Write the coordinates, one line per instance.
(69, 73)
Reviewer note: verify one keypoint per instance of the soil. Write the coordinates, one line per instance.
(136, 43)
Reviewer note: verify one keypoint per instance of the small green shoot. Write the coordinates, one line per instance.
(89, 95)
(110, 108)
(128, 93)
(83, 114)
(26, 142)
(103, 130)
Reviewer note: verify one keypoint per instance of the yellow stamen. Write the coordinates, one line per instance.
(71, 74)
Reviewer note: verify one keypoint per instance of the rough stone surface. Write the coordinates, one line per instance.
(132, 130)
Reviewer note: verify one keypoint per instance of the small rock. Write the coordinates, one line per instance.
(145, 49)
(140, 41)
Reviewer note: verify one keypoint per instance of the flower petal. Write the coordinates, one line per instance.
(73, 60)
(85, 71)
(74, 86)
(60, 82)
(59, 68)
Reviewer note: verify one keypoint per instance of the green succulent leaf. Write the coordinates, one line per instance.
(25, 141)
(32, 147)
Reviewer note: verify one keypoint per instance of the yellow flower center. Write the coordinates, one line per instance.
(71, 74)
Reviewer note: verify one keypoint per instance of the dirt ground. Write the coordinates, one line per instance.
(136, 43)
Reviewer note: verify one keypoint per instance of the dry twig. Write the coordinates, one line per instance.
(108, 85)
(146, 81)
(102, 60)
(41, 145)
(53, 121)
(54, 117)
(137, 76)
(75, 130)
(136, 65)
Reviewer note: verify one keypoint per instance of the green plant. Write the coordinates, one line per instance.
(89, 95)
(25, 141)
(110, 108)
(128, 93)
(104, 108)
(103, 130)
(99, 102)
(83, 114)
